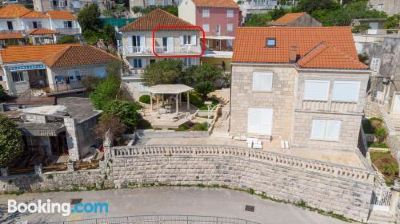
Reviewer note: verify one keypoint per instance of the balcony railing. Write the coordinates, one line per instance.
(331, 106)
(68, 31)
(143, 50)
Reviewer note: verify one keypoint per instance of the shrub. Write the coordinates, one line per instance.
(126, 111)
(68, 39)
(11, 144)
(380, 134)
(143, 124)
(3, 94)
(144, 99)
(200, 127)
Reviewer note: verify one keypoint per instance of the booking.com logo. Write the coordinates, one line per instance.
(48, 207)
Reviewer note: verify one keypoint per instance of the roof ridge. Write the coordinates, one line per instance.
(324, 46)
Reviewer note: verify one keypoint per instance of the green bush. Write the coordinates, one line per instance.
(143, 124)
(380, 134)
(68, 39)
(378, 145)
(144, 99)
(3, 94)
(200, 127)
(184, 127)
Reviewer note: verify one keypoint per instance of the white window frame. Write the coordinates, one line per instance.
(206, 13)
(229, 27)
(20, 76)
(229, 13)
(375, 64)
(267, 76)
(319, 97)
(260, 121)
(322, 133)
(352, 91)
(206, 27)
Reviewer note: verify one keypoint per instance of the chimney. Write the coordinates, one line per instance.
(293, 55)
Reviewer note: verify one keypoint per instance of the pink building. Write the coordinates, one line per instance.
(219, 19)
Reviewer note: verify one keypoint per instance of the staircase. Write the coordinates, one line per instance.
(381, 217)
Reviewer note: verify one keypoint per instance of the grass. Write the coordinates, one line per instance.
(378, 145)
(386, 164)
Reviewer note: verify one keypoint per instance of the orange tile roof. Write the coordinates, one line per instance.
(41, 31)
(216, 3)
(60, 14)
(57, 55)
(288, 18)
(13, 11)
(250, 45)
(34, 14)
(4, 35)
(153, 19)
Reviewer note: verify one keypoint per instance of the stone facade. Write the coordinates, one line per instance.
(390, 7)
(292, 114)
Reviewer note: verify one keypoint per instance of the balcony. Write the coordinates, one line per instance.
(166, 51)
(259, 5)
(68, 31)
(329, 106)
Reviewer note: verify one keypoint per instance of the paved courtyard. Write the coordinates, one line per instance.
(171, 201)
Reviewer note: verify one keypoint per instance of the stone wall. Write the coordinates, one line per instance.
(342, 190)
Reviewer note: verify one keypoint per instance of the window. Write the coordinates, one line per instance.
(270, 42)
(17, 76)
(229, 27)
(346, 91)
(10, 25)
(206, 13)
(36, 24)
(326, 130)
(259, 121)
(1, 78)
(188, 40)
(67, 24)
(229, 13)
(375, 64)
(206, 27)
(137, 63)
(262, 81)
(316, 90)
(54, 3)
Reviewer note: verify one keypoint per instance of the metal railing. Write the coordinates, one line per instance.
(162, 219)
(143, 50)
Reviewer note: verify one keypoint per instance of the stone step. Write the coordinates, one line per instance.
(378, 217)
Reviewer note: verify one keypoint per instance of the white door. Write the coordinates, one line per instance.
(170, 44)
(373, 28)
(396, 104)
(259, 121)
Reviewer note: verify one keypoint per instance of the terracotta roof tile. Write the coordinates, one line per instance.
(250, 44)
(41, 31)
(13, 11)
(34, 14)
(59, 14)
(288, 18)
(57, 55)
(216, 3)
(153, 19)
(4, 35)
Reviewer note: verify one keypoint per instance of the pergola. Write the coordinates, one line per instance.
(170, 89)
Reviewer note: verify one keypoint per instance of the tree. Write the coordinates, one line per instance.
(109, 34)
(3, 94)
(88, 18)
(11, 146)
(126, 111)
(393, 22)
(256, 19)
(162, 72)
(203, 78)
(90, 82)
(106, 90)
(310, 6)
(111, 123)
(68, 39)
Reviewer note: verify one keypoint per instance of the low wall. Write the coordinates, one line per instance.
(52, 181)
(340, 189)
(149, 133)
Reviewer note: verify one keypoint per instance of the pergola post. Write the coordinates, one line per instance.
(188, 100)
(158, 102)
(177, 103)
(151, 101)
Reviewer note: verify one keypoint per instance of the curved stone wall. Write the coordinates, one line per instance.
(340, 189)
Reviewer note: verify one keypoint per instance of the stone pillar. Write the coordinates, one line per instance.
(72, 138)
(151, 102)
(38, 169)
(188, 100)
(177, 103)
(4, 171)
(70, 166)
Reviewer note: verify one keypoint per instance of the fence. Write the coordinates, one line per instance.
(162, 219)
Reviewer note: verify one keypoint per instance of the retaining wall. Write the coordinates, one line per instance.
(342, 190)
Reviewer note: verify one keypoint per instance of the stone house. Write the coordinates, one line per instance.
(70, 5)
(50, 69)
(156, 36)
(390, 7)
(302, 85)
(36, 27)
(296, 19)
(219, 20)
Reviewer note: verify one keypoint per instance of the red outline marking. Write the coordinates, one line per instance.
(176, 27)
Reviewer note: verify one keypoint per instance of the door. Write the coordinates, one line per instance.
(396, 103)
(259, 121)
(170, 44)
(373, 28)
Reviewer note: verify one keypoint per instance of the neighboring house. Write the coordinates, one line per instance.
(50, 69)
(219, 20)
(70, 5)
(304, 85)
(249, 7)
(390, 7)
(302, 19)
(370, 26)
(56, 130)
(176, 40)
(146, 3)
(39, 28)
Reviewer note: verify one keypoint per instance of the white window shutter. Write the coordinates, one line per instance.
(332, 130)
(316, 90)
(262, 81)
(193, 40)
(182, 40)
(259, 121)
(318, 129)
(346, 91)
(142, 41)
